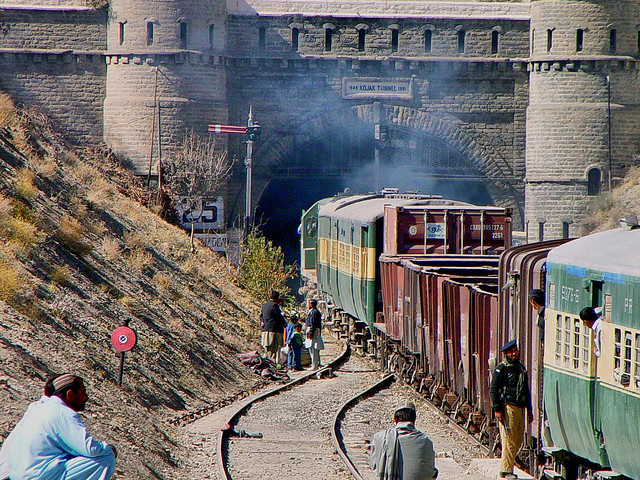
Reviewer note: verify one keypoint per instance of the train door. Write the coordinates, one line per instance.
(367, 299)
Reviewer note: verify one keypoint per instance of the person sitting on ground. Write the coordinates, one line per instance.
(592, 318)
(403, 452)
(52, 443)
(4, 451)
(295, 348)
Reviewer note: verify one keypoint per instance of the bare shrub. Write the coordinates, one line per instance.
(196, 171)
(70, 233)
(19, 232)
(162, 281)
(111, 248)
(136, 241)
(47, 168)
(131, 304)
(140, 260)
(24, 186)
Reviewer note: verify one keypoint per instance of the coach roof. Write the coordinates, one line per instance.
(614, 251)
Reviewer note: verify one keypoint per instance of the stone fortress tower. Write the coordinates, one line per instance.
(583, 115)
(168, 50)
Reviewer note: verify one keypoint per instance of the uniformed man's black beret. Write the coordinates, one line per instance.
(509, 344)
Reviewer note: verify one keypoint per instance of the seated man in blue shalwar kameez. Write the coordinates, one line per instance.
(52, 443)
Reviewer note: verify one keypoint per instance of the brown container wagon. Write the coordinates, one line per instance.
(438, 313)
(446, 230)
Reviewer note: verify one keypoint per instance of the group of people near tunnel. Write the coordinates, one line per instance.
(283, 341)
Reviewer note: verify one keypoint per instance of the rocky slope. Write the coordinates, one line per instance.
(78, 255)
(606, 209)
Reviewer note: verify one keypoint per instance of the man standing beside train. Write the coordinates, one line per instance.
(273, 325)
(510, 397)
(314, 333)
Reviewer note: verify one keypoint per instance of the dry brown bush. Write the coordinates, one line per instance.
(162, 281)
(46, 168)
(110, 248)
(24, 186)
(140, 260)
(12, 284)
(60, 274)
(19, 232)
(100, 192)
(136, 241)
(70, 233)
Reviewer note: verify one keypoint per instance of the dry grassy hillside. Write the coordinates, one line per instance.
(77, 257)
(607, 209)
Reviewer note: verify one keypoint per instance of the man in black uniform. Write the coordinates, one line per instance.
(273, 325)
(510, 396)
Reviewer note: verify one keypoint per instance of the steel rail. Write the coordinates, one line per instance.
(336, 438)
(223, 435)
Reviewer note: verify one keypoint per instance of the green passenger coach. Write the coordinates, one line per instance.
(593, 403)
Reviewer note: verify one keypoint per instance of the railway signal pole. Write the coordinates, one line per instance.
(252, 130)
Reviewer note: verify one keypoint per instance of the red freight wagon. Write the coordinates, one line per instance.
(442, 230)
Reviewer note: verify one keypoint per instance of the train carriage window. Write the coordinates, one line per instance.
(577, 330)
(558, 338)
(606, 310)
(626, 353)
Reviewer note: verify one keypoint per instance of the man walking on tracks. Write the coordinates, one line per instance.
(403, 452)
(314, 333)
(510, 397)
(51, 442)
(273, 325)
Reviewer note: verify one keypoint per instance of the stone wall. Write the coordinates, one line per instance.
(244, 37)
(69, 88)
(53, 28)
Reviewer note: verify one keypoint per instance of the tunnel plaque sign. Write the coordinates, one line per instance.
(376, 88)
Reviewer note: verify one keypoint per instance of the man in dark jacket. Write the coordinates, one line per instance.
(314, 333)
(273, 325)
(510, 397)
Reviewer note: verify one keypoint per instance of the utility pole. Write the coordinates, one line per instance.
(609, 129)
(248, 164)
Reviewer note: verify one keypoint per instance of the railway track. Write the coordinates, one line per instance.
(294, 422)
(321, 427)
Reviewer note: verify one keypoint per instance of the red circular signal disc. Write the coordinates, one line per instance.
(123, 339)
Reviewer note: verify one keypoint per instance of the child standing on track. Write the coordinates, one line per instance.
(294, 360)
